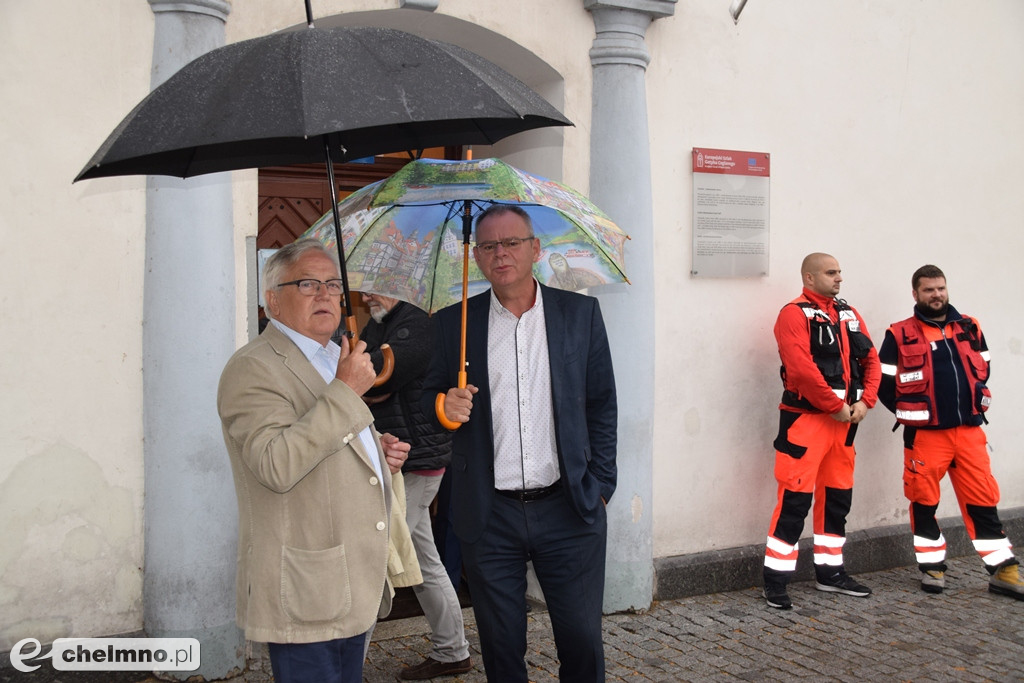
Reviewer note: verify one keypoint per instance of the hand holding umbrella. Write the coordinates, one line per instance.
(355, 367)
(453, 408)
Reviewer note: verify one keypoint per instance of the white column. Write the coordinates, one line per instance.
(187, 336)
(620, 183)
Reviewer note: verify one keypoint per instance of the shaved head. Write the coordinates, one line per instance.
(813, 263)
(820, 272)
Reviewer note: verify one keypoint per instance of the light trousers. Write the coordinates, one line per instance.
(437, 597)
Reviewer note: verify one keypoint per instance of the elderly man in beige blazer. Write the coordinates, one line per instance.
(311, 475)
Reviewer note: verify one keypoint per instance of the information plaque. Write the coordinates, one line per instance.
(730, 213)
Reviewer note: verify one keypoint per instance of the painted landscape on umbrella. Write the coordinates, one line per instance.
(403, 236)
(435, 180)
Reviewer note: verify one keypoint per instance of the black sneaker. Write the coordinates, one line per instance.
(841, 582)
(775, 595)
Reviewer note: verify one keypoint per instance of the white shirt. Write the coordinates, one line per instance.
(325, 359)
(523, 421)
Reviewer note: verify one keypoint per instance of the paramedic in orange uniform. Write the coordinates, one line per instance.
(934, 368)
(830, 375)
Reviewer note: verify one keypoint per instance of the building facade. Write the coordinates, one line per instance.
(895, 137)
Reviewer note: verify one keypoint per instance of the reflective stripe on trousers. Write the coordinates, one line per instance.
(993, 551)
(930, 551)
(828, 549)
(780, 556)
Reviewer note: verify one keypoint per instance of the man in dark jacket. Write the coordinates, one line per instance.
(935, 365)
(533, 462)
(396, 409)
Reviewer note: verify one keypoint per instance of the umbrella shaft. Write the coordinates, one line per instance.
(337, 227)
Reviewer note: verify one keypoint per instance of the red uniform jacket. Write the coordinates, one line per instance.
(806, 326)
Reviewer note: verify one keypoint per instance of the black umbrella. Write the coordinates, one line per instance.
(331, 94)
(271, 101)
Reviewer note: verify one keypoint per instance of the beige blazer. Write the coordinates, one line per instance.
(403, 565)
(313, 516)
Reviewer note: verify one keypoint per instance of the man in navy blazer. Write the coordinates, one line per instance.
(533, 461)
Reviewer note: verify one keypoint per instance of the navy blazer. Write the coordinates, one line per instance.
(583, 399)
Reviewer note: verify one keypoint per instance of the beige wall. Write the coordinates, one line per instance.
(71, 382)
(896, 139)
(895, 136)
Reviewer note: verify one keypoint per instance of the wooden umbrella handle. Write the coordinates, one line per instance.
(385, 350)
(389, 365)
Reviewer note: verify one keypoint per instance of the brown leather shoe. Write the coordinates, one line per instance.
(431, 668)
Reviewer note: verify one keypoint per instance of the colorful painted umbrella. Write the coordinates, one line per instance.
(402, 235)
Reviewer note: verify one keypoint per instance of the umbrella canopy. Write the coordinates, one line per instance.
(403, 234)
(271, 101)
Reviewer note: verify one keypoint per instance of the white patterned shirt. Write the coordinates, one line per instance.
(519, 374)
(325, 359)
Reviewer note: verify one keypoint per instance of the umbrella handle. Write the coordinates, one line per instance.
(467, 224)
(385, 350)
(389, 365)
(450, 425)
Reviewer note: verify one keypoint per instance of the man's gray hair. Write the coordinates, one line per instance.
(499, 209)
(285, 257)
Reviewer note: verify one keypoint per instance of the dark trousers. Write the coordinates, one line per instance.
(331, 661)
(568, 557)
(444, 532)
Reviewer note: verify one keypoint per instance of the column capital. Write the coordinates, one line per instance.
(428, 5)
(655, 8)
(219, 9)
(621, 26)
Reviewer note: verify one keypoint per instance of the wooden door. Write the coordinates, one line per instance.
(291, 198)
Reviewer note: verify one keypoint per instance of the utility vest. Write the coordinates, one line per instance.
(827, 352)
(915, 376)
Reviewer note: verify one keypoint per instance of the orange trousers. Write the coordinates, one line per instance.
(814, 461)
(961, 452)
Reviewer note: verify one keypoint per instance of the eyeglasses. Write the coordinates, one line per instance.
(312, 287)
(509, 244)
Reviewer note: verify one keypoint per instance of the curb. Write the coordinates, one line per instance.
(868, 550)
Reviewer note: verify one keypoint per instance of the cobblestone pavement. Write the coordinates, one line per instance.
(898, 634)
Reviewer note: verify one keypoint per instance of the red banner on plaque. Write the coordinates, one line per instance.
(730, 162)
